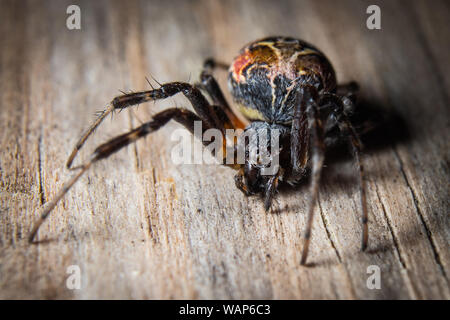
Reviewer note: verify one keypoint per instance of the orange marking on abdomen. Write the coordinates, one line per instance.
(240, 63)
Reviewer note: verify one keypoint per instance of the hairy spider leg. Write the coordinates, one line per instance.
(309, 97)
(270, 189)
(299, 141)
(210, 85)
(210, 116)
(198, 101)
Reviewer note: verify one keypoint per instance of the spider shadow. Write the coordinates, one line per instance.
(380, 129)
(387, 129)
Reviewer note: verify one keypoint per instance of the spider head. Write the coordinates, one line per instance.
(261, 144)
(249, 179)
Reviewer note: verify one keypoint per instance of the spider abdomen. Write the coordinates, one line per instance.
(266, 75)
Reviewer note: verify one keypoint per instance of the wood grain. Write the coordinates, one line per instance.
(141, 227)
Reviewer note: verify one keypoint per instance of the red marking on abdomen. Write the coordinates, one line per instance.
(239, 64)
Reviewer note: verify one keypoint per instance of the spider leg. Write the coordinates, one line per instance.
(88, 132)
(299, 140)
(228, 117)
(340, 116)
(318, 150)
(211, 63)
(198, 101)
(182, 116)
(209, 83)
(356, 146)
(270, 189)
(348, 90)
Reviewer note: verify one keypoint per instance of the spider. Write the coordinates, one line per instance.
(277, 83)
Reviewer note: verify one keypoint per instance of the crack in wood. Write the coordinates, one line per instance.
(421, 217)
(399, 256)
(325, 224)
(334, 246)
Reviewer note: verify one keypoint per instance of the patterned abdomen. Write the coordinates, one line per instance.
(265, 77)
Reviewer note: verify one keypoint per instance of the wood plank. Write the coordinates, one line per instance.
(141, 227)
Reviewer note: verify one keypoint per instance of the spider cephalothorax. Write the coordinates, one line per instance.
(266, 147)
(284, 87)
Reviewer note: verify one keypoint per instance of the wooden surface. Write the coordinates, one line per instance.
(139, 226)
